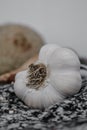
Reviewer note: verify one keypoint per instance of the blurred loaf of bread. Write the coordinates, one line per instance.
(18, 43)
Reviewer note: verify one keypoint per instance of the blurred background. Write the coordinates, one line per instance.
(59, 21)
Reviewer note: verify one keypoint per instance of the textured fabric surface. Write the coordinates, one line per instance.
(70, 114)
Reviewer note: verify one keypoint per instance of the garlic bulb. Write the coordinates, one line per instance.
(55, 75)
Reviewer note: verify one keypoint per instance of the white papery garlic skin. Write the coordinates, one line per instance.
(62, 79)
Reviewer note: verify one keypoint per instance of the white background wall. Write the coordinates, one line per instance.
(59, 21)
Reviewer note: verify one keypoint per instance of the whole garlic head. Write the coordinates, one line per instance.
(54, 76)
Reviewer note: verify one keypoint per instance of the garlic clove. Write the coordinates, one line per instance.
(67, 83)
(46, 51)
(64, 58)
(19, 85)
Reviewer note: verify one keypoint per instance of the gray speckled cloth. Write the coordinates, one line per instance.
(70, 114)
